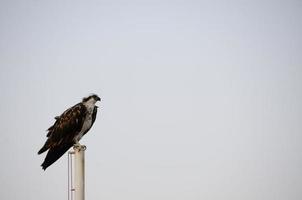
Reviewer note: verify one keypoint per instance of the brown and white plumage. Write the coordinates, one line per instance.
(69, 128)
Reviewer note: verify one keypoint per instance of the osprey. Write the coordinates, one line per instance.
(69, 128)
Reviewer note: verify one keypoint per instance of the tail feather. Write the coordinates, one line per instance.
(43, 149)
(54, 154)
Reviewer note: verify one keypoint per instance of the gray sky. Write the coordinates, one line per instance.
(201, 99)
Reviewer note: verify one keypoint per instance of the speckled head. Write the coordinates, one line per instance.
(92, 97)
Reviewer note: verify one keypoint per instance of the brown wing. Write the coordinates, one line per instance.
(61, 134)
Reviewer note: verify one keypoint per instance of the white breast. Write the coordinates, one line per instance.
(88, 120)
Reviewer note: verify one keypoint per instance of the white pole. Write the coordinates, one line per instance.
(79, 167)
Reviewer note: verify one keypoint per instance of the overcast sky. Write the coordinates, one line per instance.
(200, 99)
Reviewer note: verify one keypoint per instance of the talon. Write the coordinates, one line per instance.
(77, 145)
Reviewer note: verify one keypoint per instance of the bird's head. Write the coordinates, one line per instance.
(93, 98)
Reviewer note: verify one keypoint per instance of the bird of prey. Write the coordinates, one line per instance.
(69, 128)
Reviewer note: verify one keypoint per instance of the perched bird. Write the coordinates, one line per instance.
(69, 128)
